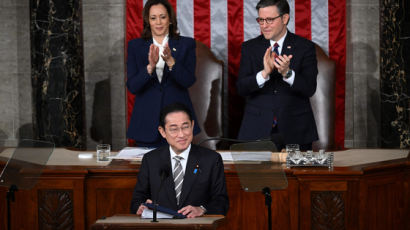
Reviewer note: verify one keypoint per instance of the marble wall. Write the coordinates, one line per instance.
(104, 36)
(362, 100)
(57, 72)
(394, 69)
(15, 74)
(103, 49)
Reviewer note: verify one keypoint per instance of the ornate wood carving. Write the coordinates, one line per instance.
(55, 209)
(327, 210)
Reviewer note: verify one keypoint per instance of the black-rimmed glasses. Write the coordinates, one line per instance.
(267, 20)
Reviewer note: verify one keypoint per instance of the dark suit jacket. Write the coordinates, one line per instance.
(150, 95)
(207, 187)
(289, 104)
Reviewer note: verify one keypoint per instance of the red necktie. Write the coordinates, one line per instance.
(275, 49)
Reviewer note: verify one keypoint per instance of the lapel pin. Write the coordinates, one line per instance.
(289, 47)
(196, 169)
(173, 49)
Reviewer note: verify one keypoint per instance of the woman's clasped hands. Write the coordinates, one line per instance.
(153, 57)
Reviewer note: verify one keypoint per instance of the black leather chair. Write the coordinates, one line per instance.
(206, 95)
(323, 101)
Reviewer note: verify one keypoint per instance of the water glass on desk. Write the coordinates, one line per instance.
(292, 148)
(294, 153)
(103, 152)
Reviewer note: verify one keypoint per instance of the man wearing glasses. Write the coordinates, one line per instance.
(182, 176)
(277, 76)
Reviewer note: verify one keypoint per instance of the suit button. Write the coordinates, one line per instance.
(275, 91)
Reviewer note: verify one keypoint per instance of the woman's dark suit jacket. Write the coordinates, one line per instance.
(150, 94)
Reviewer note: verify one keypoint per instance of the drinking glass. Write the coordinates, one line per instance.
(103, 152)
(321, 156)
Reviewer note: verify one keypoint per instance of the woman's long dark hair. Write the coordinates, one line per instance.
(173, 27)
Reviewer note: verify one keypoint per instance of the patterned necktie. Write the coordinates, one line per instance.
(275, 49)
(178, 176)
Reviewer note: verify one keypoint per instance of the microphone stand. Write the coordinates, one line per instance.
(10, 197)
(164, 173)
(268, 203)
(154, 213)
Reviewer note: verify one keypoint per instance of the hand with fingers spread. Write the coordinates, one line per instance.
(268, 62)
(282, 64)
(142, 207)
(191, 211)
(153, 57)
(167, 56)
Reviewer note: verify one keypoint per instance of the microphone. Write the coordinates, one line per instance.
(164, 174)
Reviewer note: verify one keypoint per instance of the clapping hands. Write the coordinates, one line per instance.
(153, 57)
(273, 61)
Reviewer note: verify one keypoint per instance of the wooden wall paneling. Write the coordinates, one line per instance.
(352, 205)
(108, 195)
(55, 209)
(248, 211)
(3, 208)
(325, 202)
(328, 210)
(383, 195)
(28, 210)
(406, 197)
(24, 210)
(246, 208)
(70, 191)
(285, 206)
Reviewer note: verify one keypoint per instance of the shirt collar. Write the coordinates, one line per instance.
(163, 41)
(184, 154)
(280, 42)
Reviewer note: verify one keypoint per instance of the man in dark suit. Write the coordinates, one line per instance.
(277, 75)
(202, 188)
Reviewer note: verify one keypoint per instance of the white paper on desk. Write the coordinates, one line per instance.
(148, 213)
(132, 153)
(251, 156)
(226, 156)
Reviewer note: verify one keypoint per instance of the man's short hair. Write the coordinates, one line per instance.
(282, 5)
(172, 108)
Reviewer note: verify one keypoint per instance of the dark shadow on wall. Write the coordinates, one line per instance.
(373, 94)
(3, 138)
(25, 131)
(211, 121)
(101, 123)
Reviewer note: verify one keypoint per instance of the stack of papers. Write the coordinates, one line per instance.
(132, 153)
(148, 214)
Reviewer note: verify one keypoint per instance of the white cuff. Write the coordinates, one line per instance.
(261, 80)
(291, 79)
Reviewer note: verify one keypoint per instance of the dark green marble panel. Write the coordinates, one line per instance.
(58, 71)
(394, 73)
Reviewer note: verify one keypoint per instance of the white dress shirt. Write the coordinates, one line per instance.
(184, 161)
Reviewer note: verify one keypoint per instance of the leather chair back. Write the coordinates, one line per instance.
(206, 95)
(323, 101)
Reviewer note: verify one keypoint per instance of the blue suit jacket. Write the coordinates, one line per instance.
(150, 94)
(206, 186)
(290, 105)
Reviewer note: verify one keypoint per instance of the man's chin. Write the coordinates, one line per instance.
(267, 36)
(182, 148)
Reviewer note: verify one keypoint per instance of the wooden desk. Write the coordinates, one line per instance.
(368, 189)
(134, 222)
